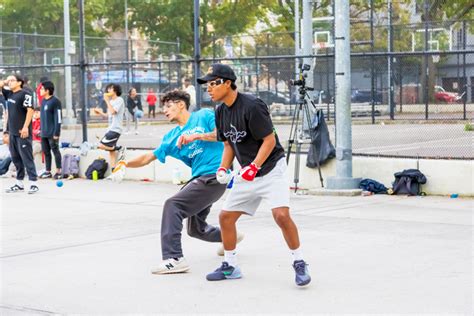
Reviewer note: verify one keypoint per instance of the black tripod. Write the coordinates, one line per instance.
(297, 131)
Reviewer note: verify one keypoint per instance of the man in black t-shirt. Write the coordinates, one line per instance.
(20, 113)
(50, 129)
(243, 123)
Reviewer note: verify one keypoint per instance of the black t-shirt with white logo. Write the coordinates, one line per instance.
(17, 106)
(244, 125)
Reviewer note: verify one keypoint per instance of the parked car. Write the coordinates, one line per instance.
(322, 96)
(270, 97)
(442, 95)
(360, 96)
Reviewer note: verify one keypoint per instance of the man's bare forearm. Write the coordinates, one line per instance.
(208, 137)
(141, 161)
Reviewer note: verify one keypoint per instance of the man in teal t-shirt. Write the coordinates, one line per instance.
(193, 142)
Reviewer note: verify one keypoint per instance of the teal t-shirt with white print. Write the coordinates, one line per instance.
(202, 156)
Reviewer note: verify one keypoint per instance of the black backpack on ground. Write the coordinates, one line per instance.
(408, 182)
(100, 165)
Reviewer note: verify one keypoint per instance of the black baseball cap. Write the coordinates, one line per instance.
(218, 71)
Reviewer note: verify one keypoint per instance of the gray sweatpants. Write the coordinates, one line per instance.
(21, 151)
(193, 202)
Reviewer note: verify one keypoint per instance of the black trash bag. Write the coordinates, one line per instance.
(372, 186)
(321, 148)
(409, 182)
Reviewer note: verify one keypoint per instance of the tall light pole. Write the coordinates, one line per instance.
(127, 54)
(68, 120)
(297, 35)
(343, 179)
(82, 67)
(197, 54)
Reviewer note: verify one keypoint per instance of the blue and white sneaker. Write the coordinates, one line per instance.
(302, 275)
(224, 272)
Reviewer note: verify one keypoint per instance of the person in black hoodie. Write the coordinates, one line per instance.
(50, 129)
(135, 109)
(20, 113)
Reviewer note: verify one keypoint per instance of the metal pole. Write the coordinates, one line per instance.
(390, 61)
(372, 62)
(82, 62)
(427, 70)
(178, 52)
(269, 61)
(464, 69)
(307, 39)
(2, 7)
(127, 46)
(69, 119)
(22, 50)
(214, 47)
(307, 49)
(197, 55)
(343, 179)
(297, 35)
(400, 76)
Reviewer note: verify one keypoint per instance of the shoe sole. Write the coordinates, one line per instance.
(230, 277)
(226, 278)
(174, 271)
(304, 283)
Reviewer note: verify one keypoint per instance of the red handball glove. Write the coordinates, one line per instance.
(249, 172)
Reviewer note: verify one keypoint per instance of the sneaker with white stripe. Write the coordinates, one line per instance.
(15, 188)
(171, 265)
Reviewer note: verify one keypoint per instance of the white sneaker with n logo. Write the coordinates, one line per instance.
(171, 266)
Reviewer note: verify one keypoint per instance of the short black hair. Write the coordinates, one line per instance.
(117, 88)
(48, 85)
(233, 86)
(20, 79)
(176, 95)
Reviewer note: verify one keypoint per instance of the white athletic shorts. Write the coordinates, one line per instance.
(273, 188)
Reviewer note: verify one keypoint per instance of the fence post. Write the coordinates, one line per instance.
(372, 62)
(197, 55)
(425, 58)
(82, 66)
(464, 68)
(390, 62)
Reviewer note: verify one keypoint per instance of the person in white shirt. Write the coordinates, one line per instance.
(189, 89)
(5, 157)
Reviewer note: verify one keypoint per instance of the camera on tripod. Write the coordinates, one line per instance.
(302, 76)
(301, 82)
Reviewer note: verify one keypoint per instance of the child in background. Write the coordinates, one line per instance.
(36, 124)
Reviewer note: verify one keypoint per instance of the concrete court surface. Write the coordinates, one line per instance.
(88, 247)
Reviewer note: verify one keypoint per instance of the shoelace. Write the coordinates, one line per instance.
(300, 267)
(224, 266)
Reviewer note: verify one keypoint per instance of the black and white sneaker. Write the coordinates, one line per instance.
(58, 176)
(33, 189)
(45, 175)
(15, 188)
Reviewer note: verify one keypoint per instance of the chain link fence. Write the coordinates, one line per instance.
(412, 99)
